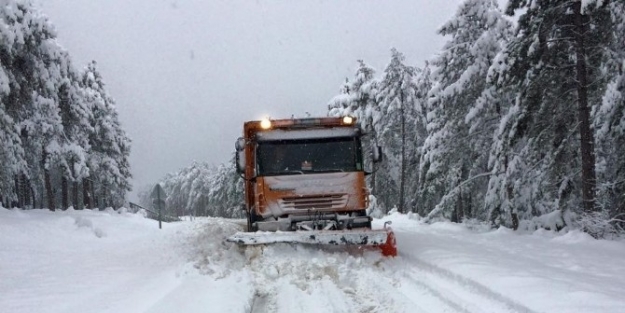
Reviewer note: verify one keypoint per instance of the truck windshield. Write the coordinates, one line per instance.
(285, 157)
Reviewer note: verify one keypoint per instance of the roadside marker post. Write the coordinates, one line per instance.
(158, 199)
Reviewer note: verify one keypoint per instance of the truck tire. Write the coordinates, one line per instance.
(251, 219)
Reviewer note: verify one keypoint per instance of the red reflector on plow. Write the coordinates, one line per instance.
(389, 248)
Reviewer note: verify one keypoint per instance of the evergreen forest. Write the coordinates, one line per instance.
(62, 143)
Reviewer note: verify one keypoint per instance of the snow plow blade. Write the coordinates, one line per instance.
(383, 239)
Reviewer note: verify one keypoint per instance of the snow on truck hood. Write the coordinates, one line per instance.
(310, 184)
(296, 194)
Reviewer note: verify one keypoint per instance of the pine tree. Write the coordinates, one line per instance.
(460, 123)
(343, 104)
(397, 100)
(76, 116)
(609, 125)
(424, 84)
(47, 118)
(11, 151)
(202, 189)
(32, 58)
(110, 146)
(545, 139)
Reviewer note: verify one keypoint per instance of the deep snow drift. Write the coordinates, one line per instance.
(92, 261)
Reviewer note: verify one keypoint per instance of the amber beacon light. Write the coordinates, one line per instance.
(347, 120)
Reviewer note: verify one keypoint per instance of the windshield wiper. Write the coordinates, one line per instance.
(290, 172)
(327, 170)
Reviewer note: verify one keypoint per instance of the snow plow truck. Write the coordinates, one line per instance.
(305, 184)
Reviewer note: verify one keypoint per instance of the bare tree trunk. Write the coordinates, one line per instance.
(513, 212)
(64, 192)
(33, 197)
(75, 202)
(18, 191)
(86, 194)
(402, 180)
(459, 211)
(96, 200)
(47, 182)
(468, 211)
(104, 200)
(25, 185)
(22, 191)
(587, 147)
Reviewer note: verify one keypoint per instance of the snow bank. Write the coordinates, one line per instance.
(115, 261)
(82, 261)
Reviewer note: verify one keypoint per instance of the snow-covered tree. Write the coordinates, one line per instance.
(202, 189)
(34, 63)
(545, 143)
(609, 123)
(397, 98)
(110, 146)
(11, 152)
(462, 110)
(76, 116)
(45, 118)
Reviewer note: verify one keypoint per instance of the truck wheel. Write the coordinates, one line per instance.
(251, 219)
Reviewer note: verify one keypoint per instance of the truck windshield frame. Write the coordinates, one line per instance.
(309, 156)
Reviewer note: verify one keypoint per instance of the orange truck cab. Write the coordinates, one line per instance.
(303, 174)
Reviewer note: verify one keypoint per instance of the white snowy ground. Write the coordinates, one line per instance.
(91, 261)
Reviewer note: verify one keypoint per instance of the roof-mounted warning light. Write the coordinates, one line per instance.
(265, 123)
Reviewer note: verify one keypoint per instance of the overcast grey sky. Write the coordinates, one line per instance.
(187, 73)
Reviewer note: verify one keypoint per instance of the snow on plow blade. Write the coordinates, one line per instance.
(384, 239)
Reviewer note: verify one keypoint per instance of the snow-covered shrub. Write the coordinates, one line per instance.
(414, 216)
(374, 210)
(550, 221)
(475, 224)
(600, 225)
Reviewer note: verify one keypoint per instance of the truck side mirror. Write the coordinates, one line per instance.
(240, 161)
(239, 145)
(376, 154)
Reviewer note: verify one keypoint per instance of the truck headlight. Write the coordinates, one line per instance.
(265, 124)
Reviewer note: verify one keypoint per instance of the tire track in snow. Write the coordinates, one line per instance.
(311, 280)
(263, 299)
(259, 303)
(440, 282)
(416, 286)
(296, 283)
(380, 289)
(353, 284)
(290, 278)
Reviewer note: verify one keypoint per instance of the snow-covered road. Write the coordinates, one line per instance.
(91, 261)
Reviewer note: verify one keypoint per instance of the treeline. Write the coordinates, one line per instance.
(201, 190)
(62, 143)
(510, 122)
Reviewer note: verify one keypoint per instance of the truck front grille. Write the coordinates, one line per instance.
(314, 202)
